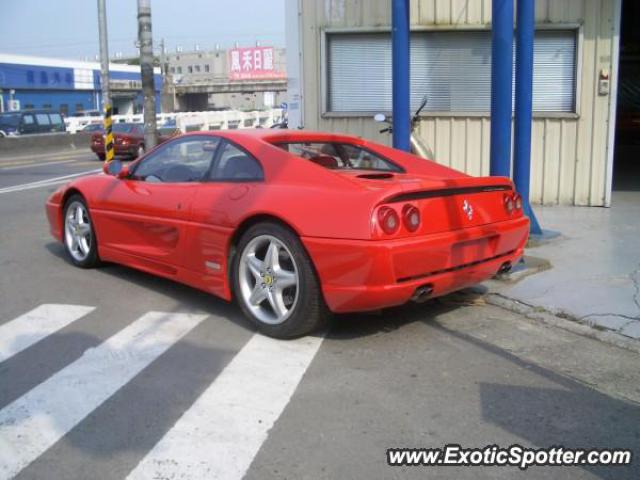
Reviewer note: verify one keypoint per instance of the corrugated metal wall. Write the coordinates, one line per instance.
(569, 157)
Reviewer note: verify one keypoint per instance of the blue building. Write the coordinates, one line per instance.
(69, 86)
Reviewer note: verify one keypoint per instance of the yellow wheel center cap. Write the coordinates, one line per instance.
(268, 280)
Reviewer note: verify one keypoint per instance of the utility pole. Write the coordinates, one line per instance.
(163, 59)
(145, 39)
(104, 80)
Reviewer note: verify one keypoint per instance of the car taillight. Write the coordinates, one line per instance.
(517, 201)
(388, 220)
(508, 203)
(411, 217)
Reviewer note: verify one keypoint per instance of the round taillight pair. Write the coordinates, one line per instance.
(411, 217)
(388, 219)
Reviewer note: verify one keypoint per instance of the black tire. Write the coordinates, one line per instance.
(101, 156)
(310, 312)
(92, 259)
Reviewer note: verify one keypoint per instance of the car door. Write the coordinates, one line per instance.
(145, 215)
(234, 180)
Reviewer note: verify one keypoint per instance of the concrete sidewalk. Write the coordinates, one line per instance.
(595, 266)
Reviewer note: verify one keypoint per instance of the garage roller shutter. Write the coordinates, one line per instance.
(452, 68)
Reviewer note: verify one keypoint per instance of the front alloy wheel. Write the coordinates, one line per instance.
(79, 236)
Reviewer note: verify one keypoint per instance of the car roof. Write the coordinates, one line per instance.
(29, 110)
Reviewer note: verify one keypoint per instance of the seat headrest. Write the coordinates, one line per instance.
(241, 166)
(326, 161)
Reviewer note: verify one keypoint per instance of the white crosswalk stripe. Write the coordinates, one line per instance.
(41, 417)
(219, 436)
(216, 437)
(35, 325)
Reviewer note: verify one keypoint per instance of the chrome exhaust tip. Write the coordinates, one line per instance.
(504, 268)
(422, 293)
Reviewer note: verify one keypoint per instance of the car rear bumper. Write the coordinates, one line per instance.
(360, 275)
(123, 150)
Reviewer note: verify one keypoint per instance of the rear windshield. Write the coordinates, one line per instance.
(340, 156)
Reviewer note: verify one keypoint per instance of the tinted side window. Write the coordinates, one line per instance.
(42, 119)
(27, 119)
(56, 119)
(183, 160)
(234, 164)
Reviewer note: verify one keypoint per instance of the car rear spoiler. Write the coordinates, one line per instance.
(445, 192)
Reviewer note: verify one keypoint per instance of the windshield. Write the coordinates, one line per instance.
(340, 156)
(10, 120)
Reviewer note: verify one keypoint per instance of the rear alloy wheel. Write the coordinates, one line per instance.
(79, 235)
(276, 284)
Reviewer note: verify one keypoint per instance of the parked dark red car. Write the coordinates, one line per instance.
(128, 140)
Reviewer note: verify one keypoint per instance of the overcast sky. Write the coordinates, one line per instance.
(69, 28)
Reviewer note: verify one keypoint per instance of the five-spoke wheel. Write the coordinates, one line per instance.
(268, 279)
(275, 283)
(79, 236)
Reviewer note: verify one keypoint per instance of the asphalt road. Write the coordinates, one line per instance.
(111, 373)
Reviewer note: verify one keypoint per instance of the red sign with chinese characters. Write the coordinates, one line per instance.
(253, 63)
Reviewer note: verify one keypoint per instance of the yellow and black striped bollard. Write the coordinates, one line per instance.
(108, 137)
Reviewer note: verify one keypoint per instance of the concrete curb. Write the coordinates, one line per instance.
(566, 322)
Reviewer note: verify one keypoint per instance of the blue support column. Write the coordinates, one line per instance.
(524, 106)
(401, 91)
(501, 87)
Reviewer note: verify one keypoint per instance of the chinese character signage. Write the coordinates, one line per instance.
(253, 63)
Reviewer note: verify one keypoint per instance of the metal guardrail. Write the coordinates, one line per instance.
(193, 121)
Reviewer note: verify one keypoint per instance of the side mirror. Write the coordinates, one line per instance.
(124, 172)
(116, 168)
(379, 117)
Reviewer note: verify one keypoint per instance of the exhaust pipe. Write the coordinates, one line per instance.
(422, 293)
(504, 268)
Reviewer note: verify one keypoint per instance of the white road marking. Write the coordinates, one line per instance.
(35, 325)
(46, 183)
(219, 436)
(38, 419)
(32, 165)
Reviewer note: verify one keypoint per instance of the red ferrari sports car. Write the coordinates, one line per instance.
(293, 224)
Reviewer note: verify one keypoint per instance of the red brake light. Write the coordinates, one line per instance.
(411, 217)
(388, 220)
(508, 203)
